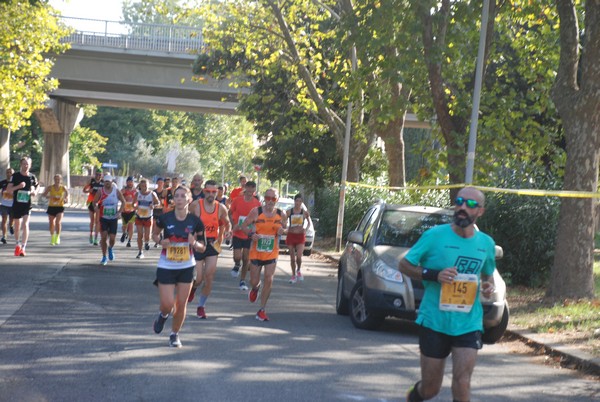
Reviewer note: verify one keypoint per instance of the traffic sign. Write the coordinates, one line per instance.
(110, 165)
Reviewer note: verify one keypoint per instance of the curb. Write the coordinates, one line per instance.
(566, 356)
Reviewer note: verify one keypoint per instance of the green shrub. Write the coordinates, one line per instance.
(524, 226)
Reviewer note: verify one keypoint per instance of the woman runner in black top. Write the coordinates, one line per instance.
(183, 233)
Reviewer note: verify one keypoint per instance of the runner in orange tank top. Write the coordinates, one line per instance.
(214, 216)
(269, 223)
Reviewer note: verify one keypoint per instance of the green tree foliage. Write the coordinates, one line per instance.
(517, 121)
(29, 34)
(27, 141)
(296, 147)
(168, 12)
(252, 41)
(219, 142)
(84, 147)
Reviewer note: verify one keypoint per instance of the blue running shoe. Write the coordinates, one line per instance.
(159, 323)
(104, 260)
(111, 255)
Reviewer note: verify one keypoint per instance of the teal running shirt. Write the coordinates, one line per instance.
(440, 248)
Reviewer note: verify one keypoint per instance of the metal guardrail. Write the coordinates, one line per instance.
(133, 36)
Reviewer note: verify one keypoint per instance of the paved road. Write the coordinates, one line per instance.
(74, 331)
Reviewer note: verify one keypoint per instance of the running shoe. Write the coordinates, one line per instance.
(243, 285)
(52, 240)
(91, 239)
(235, 271)
(293, 279)
(12, 230)
(159, 323)
(95, 241)
(146, 246)
(104, 260)
(123, 237)
(261, 315)
(3, 240)
(111, 255)
(17, 250)
(140, 255)
(174, 341)
(253, 294)
(192, 294)
(57, 239)
(299, 276)
(128, 244)
(22, 252)
(200, 313)
(155, 245)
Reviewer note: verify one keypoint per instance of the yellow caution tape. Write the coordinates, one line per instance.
(532, 192)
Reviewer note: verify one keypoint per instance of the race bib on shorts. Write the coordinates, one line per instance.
(23, 196)
(178, 252)
(460, 294)
(265, 244)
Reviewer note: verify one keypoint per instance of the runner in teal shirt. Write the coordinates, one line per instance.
(441, 248)
(455, 262)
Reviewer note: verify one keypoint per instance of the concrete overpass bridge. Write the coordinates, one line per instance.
(147, 66)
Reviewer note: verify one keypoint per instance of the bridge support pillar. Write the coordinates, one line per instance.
(4, 151)
(57, 121)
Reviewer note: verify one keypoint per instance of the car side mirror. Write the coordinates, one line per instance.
(355, 237)
(499, 252)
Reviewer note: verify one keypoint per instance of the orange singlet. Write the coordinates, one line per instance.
(267, 246)
(210, 220)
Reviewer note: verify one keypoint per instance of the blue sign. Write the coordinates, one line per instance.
(110, 165)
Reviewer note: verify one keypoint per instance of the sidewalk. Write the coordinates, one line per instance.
(567, 356)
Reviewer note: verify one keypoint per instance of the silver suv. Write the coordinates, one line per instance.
(370, 286)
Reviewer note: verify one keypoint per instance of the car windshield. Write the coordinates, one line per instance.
(403, 228)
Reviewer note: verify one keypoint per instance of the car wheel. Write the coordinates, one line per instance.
(306, 252)
(341, 303)
(493, 335)
(360, 316)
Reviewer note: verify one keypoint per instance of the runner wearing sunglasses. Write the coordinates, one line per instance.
(269, 223)
(456, 263)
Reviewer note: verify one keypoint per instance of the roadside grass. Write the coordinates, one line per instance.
(570, 321)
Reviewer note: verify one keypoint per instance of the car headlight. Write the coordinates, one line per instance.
(386, 272)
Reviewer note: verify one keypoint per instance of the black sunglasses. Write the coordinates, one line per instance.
(470, 203)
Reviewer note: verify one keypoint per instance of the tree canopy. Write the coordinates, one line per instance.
(30, 34)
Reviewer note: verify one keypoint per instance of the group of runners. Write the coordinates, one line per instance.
(191, 226)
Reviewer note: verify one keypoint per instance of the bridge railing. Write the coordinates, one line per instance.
(133, 36)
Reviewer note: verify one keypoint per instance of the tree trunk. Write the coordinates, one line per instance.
(572, 274)
(392, 136)
(577, 100)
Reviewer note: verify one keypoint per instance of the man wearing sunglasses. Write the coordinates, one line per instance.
(264, 225)
(455, 262)
(216, 225)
